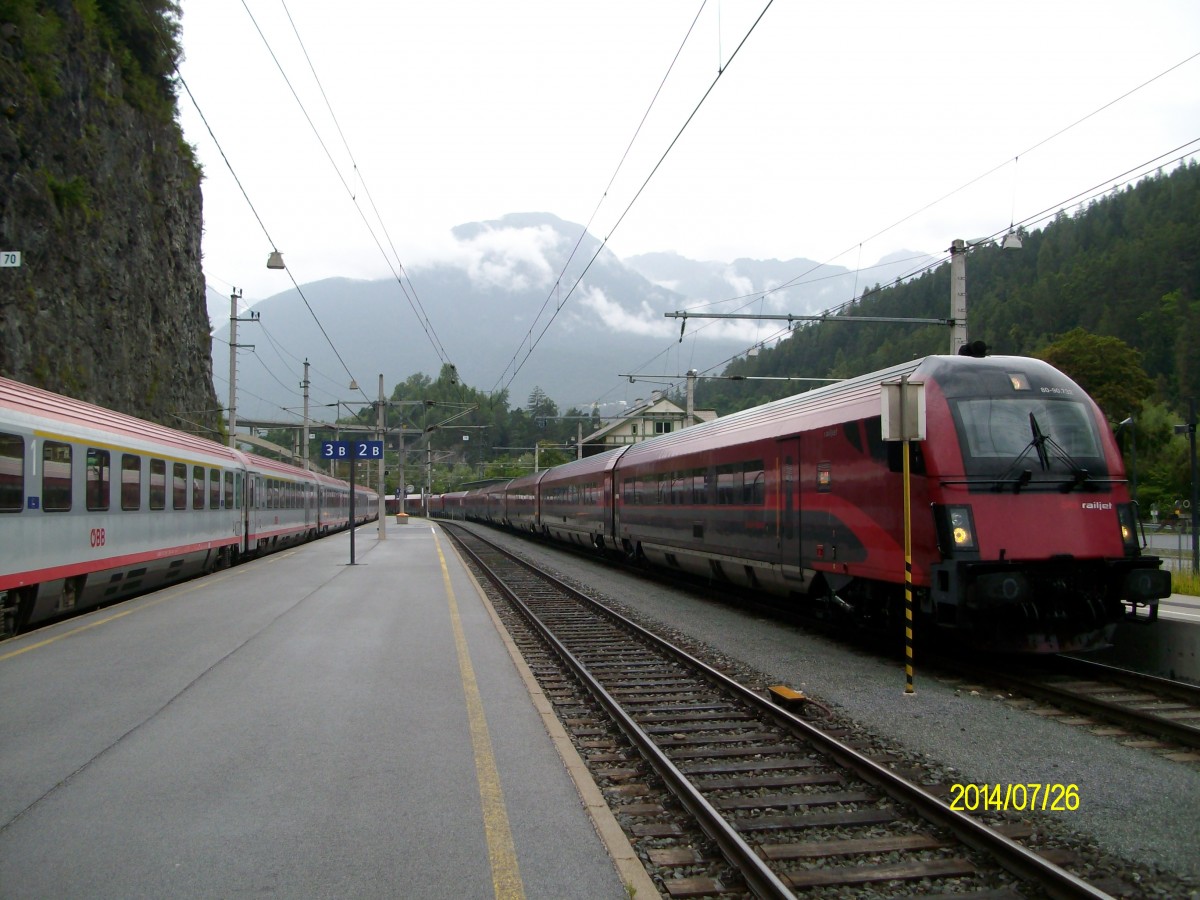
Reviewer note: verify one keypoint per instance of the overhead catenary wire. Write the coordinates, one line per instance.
(629, 206)
(413, 301)
(554, 290)
(1001, 165)
(1029, 220)
(1131, 175)
(258, 218)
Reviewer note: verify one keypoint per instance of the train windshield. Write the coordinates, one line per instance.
(1052, 437)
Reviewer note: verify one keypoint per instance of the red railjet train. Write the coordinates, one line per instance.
(1024, 536)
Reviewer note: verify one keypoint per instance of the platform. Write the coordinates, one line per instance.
(297, 727)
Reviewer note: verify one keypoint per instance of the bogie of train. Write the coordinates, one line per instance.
(96, 506)
(1023, 533)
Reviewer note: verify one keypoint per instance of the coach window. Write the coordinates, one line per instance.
(158, 483)
(131, 482)
(229, 490)
(12, 472)
(755, 489)
(729, 484)
(214, 489)
(179, 485)
(681, 489)
(56, 476)
(98, 479)
(197, 487)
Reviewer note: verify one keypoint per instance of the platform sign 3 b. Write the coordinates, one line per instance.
(352, 450)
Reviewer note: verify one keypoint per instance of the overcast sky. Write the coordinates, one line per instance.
(833, 123)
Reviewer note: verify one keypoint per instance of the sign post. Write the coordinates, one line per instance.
(903, 419)
(353, 451)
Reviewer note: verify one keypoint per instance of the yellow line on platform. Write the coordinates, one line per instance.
(506, 874)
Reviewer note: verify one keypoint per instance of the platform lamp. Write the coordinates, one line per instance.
(274, 261)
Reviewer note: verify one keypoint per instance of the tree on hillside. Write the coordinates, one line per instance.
(1106, 367)
(540, 406)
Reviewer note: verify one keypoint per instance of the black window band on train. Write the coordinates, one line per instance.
(158, 483)
(131, 482)
(98, 487)
(179, 485)
(56, 476)
(12, 472)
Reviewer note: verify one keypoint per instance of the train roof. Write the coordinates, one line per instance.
(600, 462)
(266, 464)
(529, 480)
(76, 415)
(832, 404)
(780, 418)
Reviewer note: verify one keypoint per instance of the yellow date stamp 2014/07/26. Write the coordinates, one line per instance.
(1017, 797)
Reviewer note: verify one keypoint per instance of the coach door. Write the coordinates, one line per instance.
(788, 509)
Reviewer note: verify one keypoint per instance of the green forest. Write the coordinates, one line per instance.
(1109, 295)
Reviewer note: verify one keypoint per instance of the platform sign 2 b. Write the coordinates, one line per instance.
(339, 450)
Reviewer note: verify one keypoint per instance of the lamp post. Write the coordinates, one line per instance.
(1131, 424)
(274, 261)
(1190, 430)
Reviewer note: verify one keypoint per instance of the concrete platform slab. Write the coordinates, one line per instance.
(297, 727)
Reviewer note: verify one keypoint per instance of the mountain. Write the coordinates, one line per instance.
(811, 287)
(490, 304)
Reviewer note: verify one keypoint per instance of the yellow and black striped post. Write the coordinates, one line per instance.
(902, 418)
(908, 589)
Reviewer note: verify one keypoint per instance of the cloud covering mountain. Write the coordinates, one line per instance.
(518, 302)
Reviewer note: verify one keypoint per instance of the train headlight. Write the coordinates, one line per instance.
(962, 527)
(1127, 522)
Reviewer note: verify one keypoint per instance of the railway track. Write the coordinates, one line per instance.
(725, 793)
(1091, 695)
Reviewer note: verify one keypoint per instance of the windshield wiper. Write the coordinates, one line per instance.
(1041, 444)
(1079, 474)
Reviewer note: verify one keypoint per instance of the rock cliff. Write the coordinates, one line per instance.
(101, 196)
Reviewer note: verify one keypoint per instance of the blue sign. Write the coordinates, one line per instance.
(352, 450)
(335, 450)
(367, 449)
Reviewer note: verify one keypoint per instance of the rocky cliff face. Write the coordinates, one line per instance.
(101, 197)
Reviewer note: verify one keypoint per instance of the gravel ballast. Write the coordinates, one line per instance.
(1133, 804)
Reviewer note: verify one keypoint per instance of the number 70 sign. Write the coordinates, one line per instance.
(10, 259)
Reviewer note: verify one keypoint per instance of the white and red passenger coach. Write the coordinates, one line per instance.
(96, 505)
